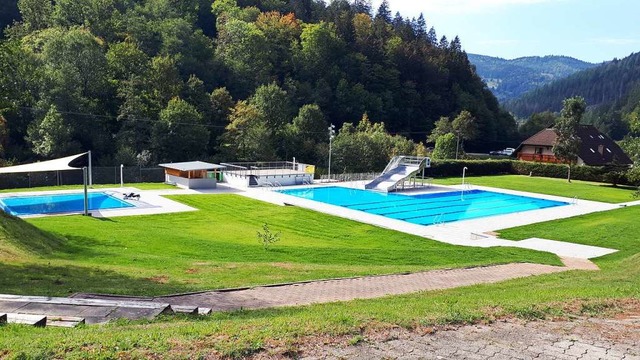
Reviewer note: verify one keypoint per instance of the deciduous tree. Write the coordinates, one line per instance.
(180, 133)
(567, 144)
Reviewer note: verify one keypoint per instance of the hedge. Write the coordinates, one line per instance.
(446, 168)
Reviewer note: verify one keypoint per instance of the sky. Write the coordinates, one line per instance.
(589, 30)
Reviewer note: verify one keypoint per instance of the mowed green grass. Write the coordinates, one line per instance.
(240, 333)
(584, 190)
(217, 247)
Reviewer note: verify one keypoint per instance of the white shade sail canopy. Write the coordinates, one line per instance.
(73, 162)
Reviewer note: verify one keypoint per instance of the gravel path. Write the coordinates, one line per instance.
(587, 339)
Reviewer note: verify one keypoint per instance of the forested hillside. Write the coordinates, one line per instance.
(144, 81)
(609, 89)
(509, 79)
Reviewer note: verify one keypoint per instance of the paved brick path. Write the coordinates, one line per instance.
(585, 339)
(366, 287)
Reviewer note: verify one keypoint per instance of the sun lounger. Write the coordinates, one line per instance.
(131, 196)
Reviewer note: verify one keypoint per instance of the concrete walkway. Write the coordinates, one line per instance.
(325, 291)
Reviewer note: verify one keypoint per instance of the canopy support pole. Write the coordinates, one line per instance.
(86, 195)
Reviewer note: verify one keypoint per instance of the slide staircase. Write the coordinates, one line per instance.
(398, 170)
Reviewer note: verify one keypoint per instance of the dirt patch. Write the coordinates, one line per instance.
(286, 266)
(192, 271)
(162, 279)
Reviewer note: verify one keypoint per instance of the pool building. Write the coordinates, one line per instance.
(193, 174)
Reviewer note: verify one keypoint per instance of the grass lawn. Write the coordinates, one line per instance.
(560, 187)
(244, 332)
(141, 186)
(216, 247)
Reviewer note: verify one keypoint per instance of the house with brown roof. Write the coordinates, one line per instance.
(596, 148)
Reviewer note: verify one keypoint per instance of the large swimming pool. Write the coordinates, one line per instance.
(425, 209)
(59, 203)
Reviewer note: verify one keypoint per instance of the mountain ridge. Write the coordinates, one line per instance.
(509, 79)
(611, 90)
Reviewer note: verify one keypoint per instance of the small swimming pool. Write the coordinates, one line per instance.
(59, 203)
(425, 209)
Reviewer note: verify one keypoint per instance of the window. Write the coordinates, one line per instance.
(539, 151)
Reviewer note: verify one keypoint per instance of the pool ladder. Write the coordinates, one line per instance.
(439, 220)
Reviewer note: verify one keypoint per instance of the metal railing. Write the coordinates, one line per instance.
(418, 161)
(259, 168)
(100, 175)
(347, 177)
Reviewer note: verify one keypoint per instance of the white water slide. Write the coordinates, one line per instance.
(398, 170)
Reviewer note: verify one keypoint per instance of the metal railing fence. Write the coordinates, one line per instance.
(100, 175)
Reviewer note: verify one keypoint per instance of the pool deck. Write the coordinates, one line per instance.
(151, 202)
(474, 232)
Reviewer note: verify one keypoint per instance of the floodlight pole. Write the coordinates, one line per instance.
(86, 195)
(90, 177)
(121, 176)
(457, 143)
(332, 134)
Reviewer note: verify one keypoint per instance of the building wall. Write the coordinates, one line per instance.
(537, 153)
(191, 183)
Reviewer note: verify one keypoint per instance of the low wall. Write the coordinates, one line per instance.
(284, 180)
(234, 180)
(192, 183)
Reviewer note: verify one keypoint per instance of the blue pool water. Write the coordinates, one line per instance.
(425, 209)
(59, 203)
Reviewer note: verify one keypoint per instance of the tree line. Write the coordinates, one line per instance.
(147, 81)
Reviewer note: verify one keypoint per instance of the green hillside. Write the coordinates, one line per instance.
(148, 81)
(610, 90)
(509, 79)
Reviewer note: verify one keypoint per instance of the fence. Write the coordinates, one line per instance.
(351, 176)
(100, 175)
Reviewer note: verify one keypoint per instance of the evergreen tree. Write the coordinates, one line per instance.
(384, 12)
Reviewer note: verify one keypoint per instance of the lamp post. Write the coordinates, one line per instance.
(332, 134)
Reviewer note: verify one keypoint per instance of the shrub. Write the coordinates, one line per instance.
(441, 168)
(266, 237)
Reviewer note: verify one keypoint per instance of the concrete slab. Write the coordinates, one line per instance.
(53, 309)
(133, 313)
(11, 306)
(564, 248)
